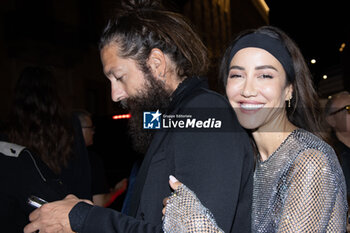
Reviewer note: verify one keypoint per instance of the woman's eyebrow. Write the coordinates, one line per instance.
(236, 67)
(265, 67)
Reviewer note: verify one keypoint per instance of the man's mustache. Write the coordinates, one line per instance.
(124, 103)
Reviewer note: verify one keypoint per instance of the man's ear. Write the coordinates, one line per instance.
(157, 62)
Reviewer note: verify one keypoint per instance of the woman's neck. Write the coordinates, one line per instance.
(268, 141)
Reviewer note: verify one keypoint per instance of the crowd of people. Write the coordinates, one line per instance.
(279, 162)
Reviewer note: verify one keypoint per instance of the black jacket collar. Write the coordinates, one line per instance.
(186, 88)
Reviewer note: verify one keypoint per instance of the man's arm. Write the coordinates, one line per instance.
(75, 215)
(217, 164)
(100, 219)
(216, 174)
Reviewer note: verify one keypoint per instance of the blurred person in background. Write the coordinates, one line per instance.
(43, 151)
(337, 112)
(101, 194)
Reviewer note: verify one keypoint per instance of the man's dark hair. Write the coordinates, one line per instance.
(140, 26)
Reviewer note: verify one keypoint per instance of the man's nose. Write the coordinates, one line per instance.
(118, 93)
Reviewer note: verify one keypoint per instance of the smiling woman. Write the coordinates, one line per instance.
(299, 185)
(273, 96)
(257, 89)
(289, 64)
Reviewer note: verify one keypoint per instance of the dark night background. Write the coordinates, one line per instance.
(319, 28)
(64, 34)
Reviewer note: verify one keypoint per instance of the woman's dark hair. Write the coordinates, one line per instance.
(305, 111)
(37, 120)
(140, 26)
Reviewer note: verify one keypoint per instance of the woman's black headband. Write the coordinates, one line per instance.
(271, 45)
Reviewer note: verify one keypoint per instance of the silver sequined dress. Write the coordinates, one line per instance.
(300, 188)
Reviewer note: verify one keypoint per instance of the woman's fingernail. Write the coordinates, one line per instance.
(172, 179)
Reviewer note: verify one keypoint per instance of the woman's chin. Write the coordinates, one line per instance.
(248, 125)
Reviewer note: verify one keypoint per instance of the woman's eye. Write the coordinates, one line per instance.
(265, 76)
(235, 76)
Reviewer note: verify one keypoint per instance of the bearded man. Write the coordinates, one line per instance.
(153, 60)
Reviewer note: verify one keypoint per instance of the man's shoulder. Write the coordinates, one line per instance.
(204, 97)
(10, 149)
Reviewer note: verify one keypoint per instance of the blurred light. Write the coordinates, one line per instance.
(313, 61)
(342, 46)
(262, 8)
(329, 97)
(123, 116)
(324, 77)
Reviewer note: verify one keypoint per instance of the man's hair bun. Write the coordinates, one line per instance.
(139, 5)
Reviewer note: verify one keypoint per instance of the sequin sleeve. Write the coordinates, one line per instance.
(184, 213)
(311, 204)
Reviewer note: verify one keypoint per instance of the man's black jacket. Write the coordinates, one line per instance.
(216, 163)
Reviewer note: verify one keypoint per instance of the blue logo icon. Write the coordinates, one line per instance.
(152, 120)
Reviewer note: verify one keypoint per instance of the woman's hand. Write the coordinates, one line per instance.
(184, 212)
(174, 184)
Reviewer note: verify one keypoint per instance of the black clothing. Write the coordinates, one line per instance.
(217, 164)
(343, 153)
(98, 176)
(131, 181)
(23, 174)
(27, 175)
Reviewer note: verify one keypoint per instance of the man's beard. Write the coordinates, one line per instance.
(153, 97)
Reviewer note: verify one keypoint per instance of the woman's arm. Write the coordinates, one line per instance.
(183, 212)
(311, 203)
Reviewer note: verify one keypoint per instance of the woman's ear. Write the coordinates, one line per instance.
(157, 62)
(289, 92)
